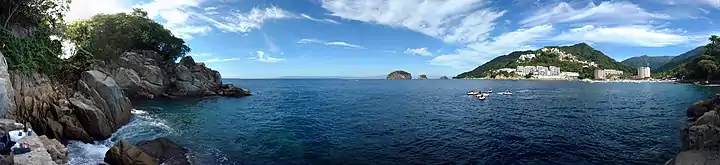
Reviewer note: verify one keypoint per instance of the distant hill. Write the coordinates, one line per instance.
(654, 62)
(680, 59)
(581, 51)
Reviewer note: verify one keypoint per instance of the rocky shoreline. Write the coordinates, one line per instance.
(100, 102)
(700, 136)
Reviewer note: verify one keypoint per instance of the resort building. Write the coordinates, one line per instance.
(538, 70)
(602, 74)
(643, 72)
(570, 75)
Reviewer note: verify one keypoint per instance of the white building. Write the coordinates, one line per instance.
(553, 71)
(526, 57)
(643, 72)
(602, 74)
(509, 70)
(570, 75)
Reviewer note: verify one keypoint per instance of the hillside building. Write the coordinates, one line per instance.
(643, 72)
(602, 74)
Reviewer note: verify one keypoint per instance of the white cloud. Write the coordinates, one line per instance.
(607, 13)
(84, 9)
(263, 58)
(246, 22)
(710, 3)
(210, 8)
(481, 52)
(334, 43)
(220, 60)
(418, 51)
(455, 21)
(644, 36)
(326, 20)
(200, 55)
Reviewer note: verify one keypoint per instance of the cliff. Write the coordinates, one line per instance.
(399, 75)
(701, 135)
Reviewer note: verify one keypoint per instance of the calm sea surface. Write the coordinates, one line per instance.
(419, 122)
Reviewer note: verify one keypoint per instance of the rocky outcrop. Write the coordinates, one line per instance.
(444, 78)
(423, 77)
(144, 75)
(122, 153)
(7, 105)
(701, 136)
(165, 151)
(43, 152)
(100, 104)
(399, 75)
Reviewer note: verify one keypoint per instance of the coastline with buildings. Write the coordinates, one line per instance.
(554, 73)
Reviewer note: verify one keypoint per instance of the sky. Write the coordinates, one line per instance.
(276, 38)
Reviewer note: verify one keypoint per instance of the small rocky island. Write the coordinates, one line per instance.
(422, 77)
(399, 75)
(444, 78)
(700, 136)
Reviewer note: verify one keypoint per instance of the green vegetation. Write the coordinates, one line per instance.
(503, 74)
(678, 60)
(654, 62)
(25, 32)
(704, 67)
(582, 52)
(32, 33)
(108, 35)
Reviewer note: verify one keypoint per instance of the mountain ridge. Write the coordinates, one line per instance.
(584, 57)
(654, 62)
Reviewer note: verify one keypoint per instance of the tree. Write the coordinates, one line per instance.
(106, 36)
(529, 75)
(709, 68)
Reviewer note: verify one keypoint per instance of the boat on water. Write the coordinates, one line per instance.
(484, 94)
(473, 93)
(489, 91)
(505, 93)
(482, 97)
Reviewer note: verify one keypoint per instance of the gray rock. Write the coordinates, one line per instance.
(399, 75)
(95, 122)
(165, 151)
(38, 154)
(7, 92)
(123, 153)
(118, 106)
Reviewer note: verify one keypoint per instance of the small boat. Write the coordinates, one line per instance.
(489, 91)
(484, 94)
(482, 97)
(473, 93)
(505, 93)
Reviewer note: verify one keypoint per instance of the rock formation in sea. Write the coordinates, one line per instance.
(422, 77)
(157, 151)
(399, 75)
(444, 78)
(700, 136)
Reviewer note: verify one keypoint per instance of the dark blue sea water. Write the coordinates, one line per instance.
(419, 122)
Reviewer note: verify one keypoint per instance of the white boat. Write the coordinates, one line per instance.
(505, 93)
(482, 97)
(489, 91)
(484, 94)
(473, 93)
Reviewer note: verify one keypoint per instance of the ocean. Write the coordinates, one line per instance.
(417, 122)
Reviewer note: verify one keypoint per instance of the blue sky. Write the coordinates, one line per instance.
(275, 38)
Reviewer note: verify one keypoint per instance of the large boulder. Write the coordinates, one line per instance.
(7, 105)
(165, 151)
(194, 79)
(399, 75)
(100, 105)
(233, 91)
(39, 153)
(123, 153)
(57, 150)
(140, 74)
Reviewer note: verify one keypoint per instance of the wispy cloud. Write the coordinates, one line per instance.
(644, 36)
(326, 20)
(263, 58)
(200, 54)
(334, 43)
(418, 51)
(220, 60)
(389, 51)
(607, 13)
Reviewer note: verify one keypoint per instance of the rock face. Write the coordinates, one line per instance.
(6, 90)
(444, 78)
(165, 151)
(701, 136)
(123, 153)
(100, 104)
(144, 75)
(399, 75)
(422, 77)
(43, 152)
